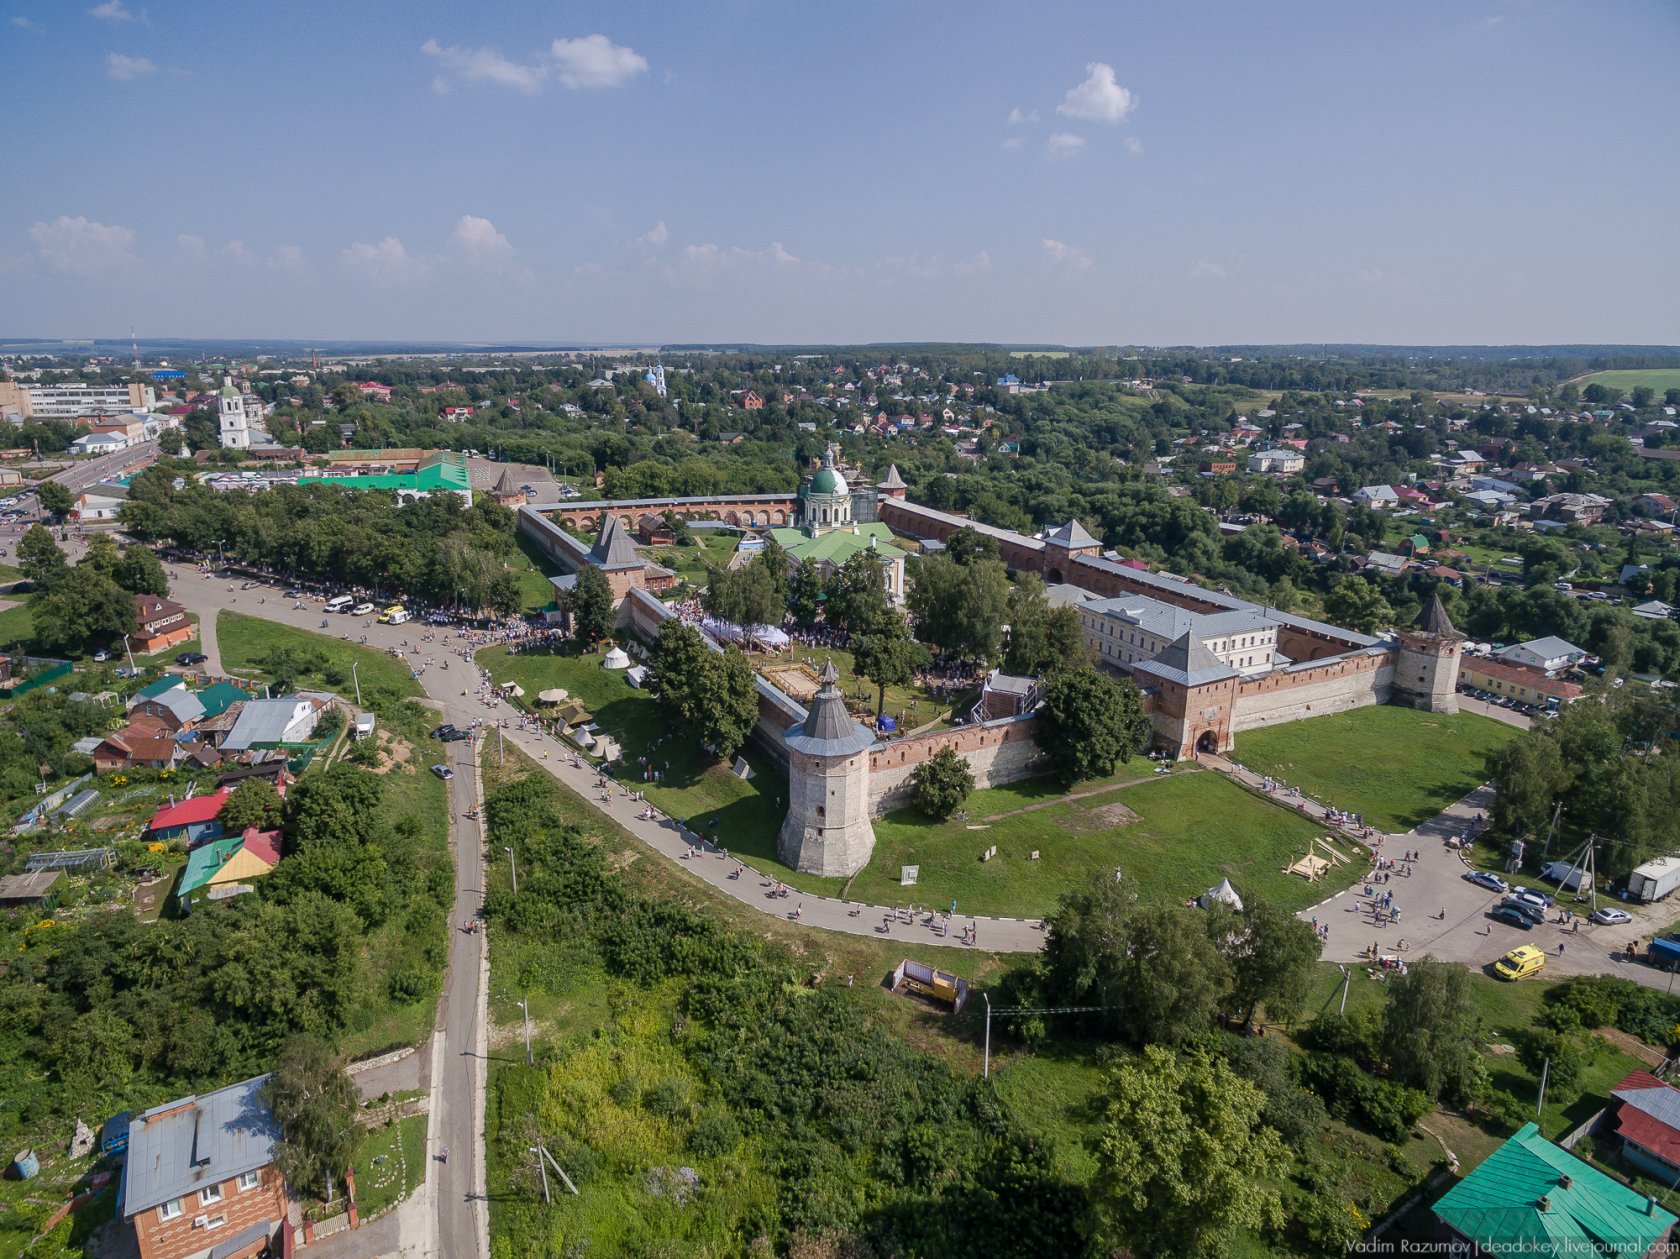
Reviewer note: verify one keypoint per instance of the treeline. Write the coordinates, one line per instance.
(429, 549)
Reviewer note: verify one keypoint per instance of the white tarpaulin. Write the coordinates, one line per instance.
(1222, 892)
(769, 636)
(554, 695)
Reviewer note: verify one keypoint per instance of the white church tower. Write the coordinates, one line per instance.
(236, 425)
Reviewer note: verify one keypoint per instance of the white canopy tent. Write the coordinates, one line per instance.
(616, 659)
(1223, 893)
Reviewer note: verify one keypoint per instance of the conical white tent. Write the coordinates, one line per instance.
(1222, 892)
(616, 659)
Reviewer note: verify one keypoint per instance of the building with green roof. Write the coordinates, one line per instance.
(1530, 1197)
(218, 697)
(439, 472)
(829, 535)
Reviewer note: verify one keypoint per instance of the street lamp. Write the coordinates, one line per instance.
(986, 1059)
(513, 870)
(526, 1009)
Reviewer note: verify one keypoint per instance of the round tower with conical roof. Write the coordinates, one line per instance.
(1426, 668)
(827, 830)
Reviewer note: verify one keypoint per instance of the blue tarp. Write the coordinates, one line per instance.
(885, 724)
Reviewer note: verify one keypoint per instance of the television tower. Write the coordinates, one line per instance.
(135, 345)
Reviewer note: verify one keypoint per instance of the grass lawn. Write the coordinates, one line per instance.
(1658, 378)
(533, 569)
(246, 641)
(1175, 836)
(389, 1164)
(714, 547)
(1395, 765)
(17, 625)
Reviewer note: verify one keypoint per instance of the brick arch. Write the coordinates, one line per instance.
(731, 518)
(591, 524)
(627, 522)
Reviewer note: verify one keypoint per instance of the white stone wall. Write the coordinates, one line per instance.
(1352, 689)
(837, 841)
(994, 763)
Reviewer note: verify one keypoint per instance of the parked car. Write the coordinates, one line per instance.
(443, 772)
(455, 736)
(101, 655)
(1610, 916)
(189, 658)
(443, 731)
(1536, 915)
(1534, 897)
(1483, 878)
(294, 593)
(1511, 916)
(362, 609)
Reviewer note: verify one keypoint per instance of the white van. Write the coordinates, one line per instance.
(399, 616)
(339, 603)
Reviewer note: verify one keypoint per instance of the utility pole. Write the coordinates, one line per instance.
(513, 870)
(358, 683)
(526, 1010)
(543, 1168)
(1557, 809)
(1545, 1071)
(986, 1059)
(501, 750)
(1347, 978)
(129, 651)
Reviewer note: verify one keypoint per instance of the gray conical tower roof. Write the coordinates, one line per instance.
(828, 729)
(1072, 534)
(612, 549)
(505, 486)
(1187, 661)
(893, 480)
(1434, 620)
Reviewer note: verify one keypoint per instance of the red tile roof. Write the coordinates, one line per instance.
(188, 812)
(264, 844)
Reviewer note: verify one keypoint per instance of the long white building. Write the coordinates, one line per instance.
(70, 401)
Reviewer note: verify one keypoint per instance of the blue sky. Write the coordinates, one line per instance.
(1479, 171)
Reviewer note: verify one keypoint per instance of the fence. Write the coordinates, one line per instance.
(60, 670)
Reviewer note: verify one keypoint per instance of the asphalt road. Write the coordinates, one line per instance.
(81, 475)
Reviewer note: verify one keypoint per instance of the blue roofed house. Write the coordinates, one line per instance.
(1529, 1197)
(199, 1181)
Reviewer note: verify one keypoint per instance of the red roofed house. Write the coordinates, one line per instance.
(1646, 1114)
(135, 747)
(373, 389)
(457, 414)
(163, 623)
(194, 820)
(750, 401)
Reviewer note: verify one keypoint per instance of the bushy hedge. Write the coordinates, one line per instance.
(1606, 1001)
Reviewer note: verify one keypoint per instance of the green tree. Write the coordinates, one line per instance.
(84, 608)
(590, 605)
(744, 596)
(887, 655)
(40, 558)
(314, 1103)
(727, 699)
(1183, 1159)
(1359, 605)
(1041, 638)
(1431, 1032)
(942, 783)
(1090, 722)
(338, 806)
(967, 545)
(857, 594)
(55, 499)
(254, 802)
(678, 658)
(1569, 1054)
(138, 571)
(960, 606)
(1273, 955)
(805, 590)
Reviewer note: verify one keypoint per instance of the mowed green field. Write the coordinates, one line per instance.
(1174, 836)
(1396, 766)
(1658, 378)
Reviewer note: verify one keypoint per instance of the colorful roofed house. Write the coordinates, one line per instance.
(1647, 1118)
(193, 820)
(1529, 1197)
(224, 867)
(162, 622)
(218, 697)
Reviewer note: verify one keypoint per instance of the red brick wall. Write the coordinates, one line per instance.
(177, 1238)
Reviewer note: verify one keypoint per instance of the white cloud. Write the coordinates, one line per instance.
(657, 235)
(589, 62)
(82, 246)
(123, 68)
(595, 61)
(1013, 142)
(1099, 98)
(979, 265)
(286, 258)
(1062, 144)
(708, 256)
(235, 251)
(479, 240)
(385, 263)
(24, 24)
(189, 248)
(1207, 269)
(1018, 116)
(484, 65)
(1134, 145)
(112, 11)
(1066, 255)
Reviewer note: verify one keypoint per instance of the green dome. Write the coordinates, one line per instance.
(228, 391)
(829, 482)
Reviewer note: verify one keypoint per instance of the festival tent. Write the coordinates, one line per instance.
(1222, 892)
(554, 695)
(616, 659)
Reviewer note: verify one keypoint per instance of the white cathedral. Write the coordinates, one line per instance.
(241, 418)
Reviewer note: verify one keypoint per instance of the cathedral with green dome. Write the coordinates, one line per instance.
(829, 534)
